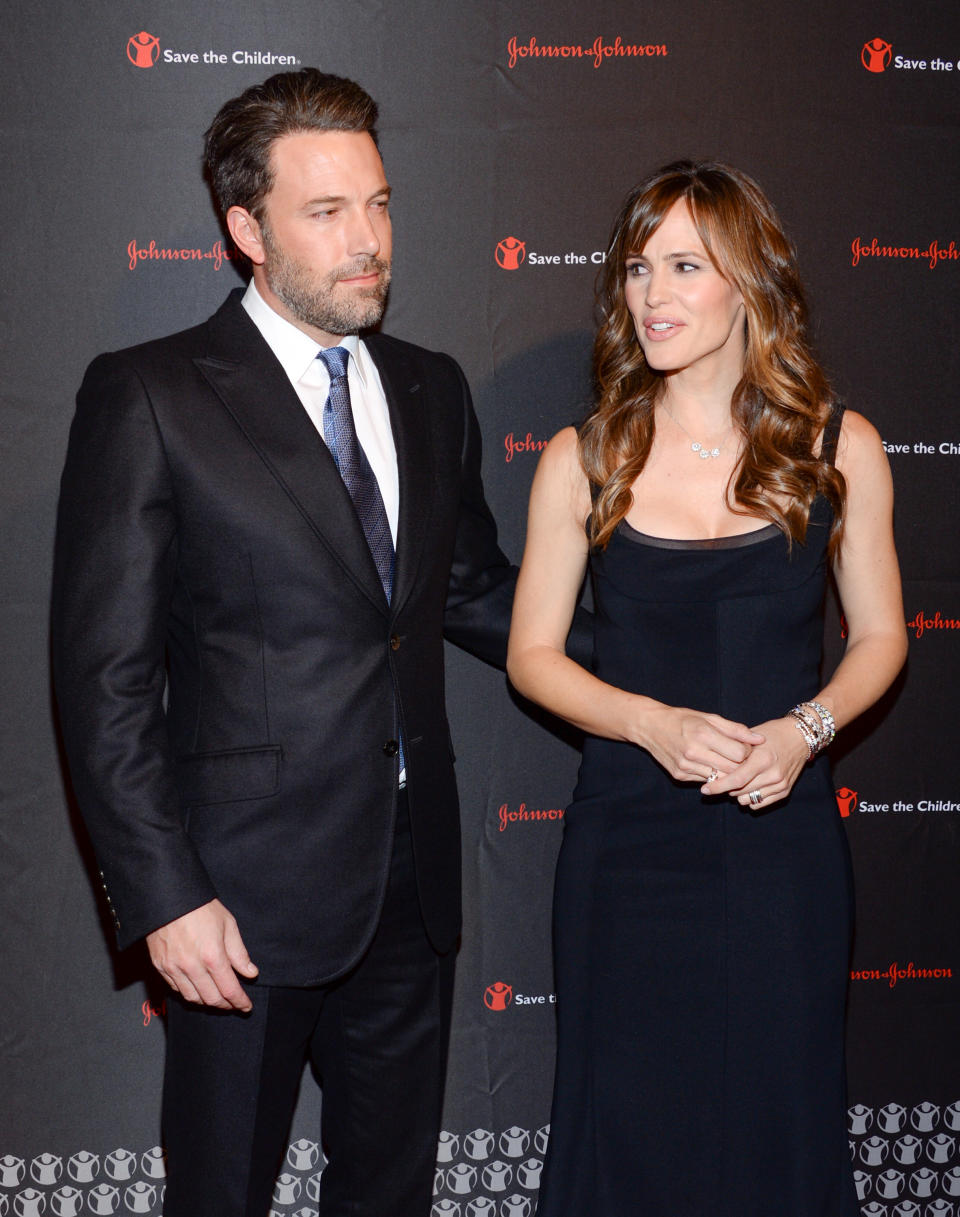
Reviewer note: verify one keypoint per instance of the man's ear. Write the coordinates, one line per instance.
(246, 234)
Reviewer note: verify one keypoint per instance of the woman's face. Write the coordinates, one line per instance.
(685, 312)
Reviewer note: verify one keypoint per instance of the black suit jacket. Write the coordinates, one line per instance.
(230, 677)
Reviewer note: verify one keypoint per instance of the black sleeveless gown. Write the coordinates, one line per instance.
(702, 951)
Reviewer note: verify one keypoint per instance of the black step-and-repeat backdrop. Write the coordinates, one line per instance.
(510, 132)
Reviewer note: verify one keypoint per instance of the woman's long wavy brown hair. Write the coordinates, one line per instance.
(783, 399)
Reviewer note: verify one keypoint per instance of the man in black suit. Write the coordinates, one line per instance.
(273, 524)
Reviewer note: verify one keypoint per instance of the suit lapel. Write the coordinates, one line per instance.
(249, 380)
(407, 402)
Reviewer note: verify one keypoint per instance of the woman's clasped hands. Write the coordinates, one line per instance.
(757, 766)
(769, 769)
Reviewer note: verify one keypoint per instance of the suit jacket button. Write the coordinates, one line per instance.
(394, 642)
(391, 748)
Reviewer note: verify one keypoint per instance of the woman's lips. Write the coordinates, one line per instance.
(658, 329)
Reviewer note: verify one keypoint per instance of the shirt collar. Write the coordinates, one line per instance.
(296, 351)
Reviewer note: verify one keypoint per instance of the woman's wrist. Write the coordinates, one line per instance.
(641, 712)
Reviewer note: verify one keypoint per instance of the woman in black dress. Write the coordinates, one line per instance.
(703, 897)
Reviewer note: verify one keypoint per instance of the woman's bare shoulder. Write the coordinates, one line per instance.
(859, 448)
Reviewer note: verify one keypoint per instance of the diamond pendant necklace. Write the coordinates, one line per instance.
(703, 451)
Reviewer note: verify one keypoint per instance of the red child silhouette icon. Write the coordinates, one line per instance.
(498, 996)
(875, 55)
(510, 253)
(143, 50)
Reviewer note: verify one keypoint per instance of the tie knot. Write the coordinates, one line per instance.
(335, 360)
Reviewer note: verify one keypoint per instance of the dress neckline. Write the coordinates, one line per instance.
(738, 540)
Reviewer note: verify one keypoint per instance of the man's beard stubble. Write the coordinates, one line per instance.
(315, 302)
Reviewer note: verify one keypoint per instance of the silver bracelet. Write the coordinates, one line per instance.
(827, 719)
(816, 724)
(809, 734)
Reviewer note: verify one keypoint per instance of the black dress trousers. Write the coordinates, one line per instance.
(377, 1038)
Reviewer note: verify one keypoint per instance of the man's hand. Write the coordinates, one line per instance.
(199, 956)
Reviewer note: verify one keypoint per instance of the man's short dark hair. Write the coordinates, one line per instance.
(237, 144)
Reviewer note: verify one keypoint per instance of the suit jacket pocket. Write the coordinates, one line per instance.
(232, 776)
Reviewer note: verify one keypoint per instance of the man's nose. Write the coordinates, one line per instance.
(364, 236)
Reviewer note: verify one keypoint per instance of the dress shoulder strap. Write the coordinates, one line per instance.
(831, 433)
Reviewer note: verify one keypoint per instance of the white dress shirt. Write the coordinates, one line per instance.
(297, 353)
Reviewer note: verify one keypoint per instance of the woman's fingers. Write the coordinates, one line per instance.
(764, 792)
(743, 777)
(769, 772)
(698, 747)
(728, 729)
(718, 744)
(710, 768)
